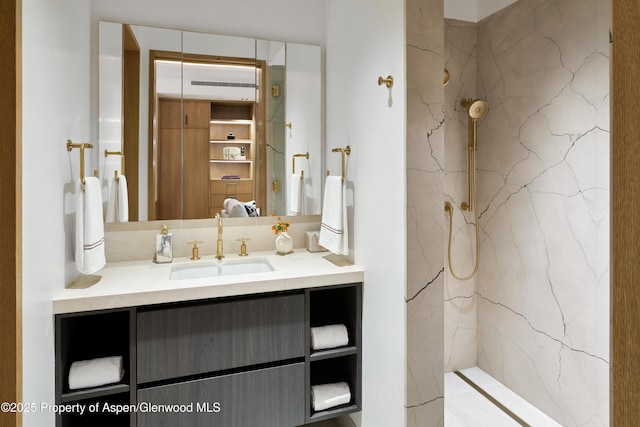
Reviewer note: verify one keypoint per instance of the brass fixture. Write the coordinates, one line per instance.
(289, 125)
(343, 151)
(70, 146)
(275, 186)
(219, 251)
(476, 109)
(449, 209)
(116, 153)
(243, 246)
(447, 77)
(194, 252)
(275, 90)
(293, 166)
(388, 82)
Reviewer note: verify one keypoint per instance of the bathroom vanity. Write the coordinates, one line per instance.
(226, 351)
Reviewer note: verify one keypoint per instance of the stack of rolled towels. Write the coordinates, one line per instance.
(330, 336)
(95, 372)
(326, 396)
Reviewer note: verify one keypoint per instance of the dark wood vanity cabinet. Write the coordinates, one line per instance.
(236, 362)
(218, 336)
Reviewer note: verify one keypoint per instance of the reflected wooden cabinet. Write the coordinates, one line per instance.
(183, 131)
(192, 136)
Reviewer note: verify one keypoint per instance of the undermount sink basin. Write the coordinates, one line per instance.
(201, 269)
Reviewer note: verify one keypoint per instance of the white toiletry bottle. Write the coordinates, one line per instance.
(164, 246)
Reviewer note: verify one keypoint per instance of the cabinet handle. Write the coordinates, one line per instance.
(186, 119)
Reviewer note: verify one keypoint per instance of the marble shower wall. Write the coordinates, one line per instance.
(424, 215)
(276, 149)
(460, 318)
(543, 187)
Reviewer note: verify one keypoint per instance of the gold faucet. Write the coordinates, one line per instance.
(219, 252)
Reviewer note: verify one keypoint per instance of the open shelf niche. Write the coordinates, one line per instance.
(329, 306)
(89, 336)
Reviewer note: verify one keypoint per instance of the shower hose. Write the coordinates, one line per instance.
(449, 209)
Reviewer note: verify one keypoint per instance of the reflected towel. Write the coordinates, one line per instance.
(333, 230)
(95, 372)
(296, 197)
(89, 249)
(330, 336)
(118, 201)
(327, 396)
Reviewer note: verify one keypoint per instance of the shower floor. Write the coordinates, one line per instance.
(465, 406)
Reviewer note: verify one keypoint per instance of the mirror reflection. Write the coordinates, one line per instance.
(210, 124)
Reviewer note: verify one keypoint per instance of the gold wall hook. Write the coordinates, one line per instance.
(447, 77)
(388, 82)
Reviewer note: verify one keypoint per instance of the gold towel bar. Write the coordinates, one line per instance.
(71, 146)
(116, 153)
(343, 151)
(293, 166)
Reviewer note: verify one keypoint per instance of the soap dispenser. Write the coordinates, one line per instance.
(164, 246)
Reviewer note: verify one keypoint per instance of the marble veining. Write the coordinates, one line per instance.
(542, 292)
(424, 220)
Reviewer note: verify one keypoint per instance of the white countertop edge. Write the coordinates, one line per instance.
(133, 284)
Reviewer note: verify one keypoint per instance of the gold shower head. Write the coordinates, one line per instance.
(478, 109)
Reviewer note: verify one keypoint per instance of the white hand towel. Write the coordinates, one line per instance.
(123, 200)
(327, 396)
(333, 230)
(111, 215)
(330, 336)
(118, 201)
(95, 372)
(89, 250)
(296, 197)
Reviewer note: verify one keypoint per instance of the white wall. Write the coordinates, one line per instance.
(473, 10)
(287, 20)
(56, 106)
(365, 39)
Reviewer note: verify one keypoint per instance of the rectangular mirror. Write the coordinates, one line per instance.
(209, 120)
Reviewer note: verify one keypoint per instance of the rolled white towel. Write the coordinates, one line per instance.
(95, 372)
(330, 336)
(325, 396)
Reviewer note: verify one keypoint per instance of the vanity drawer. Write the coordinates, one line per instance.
(271, 397)
(197, 339)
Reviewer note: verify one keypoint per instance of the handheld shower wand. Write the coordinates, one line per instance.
(476, 110)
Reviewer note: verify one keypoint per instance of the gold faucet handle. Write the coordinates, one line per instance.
(243, 246)
(194, 252)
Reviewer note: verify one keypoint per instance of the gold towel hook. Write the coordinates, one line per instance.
(71, 146)
(343, 151)
(388, 82)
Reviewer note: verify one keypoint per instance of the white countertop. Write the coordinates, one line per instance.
(138, 283)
